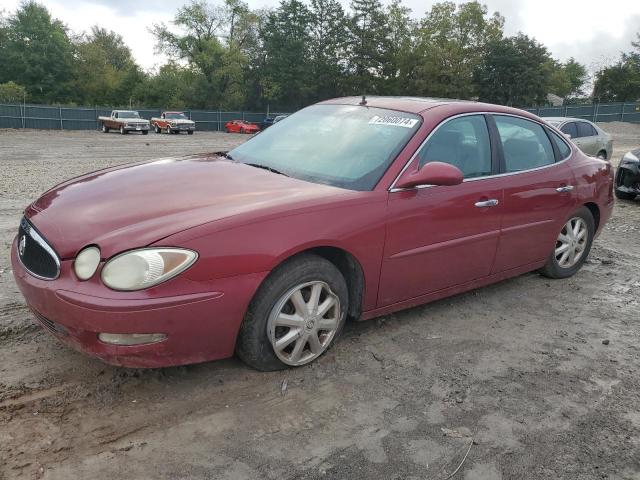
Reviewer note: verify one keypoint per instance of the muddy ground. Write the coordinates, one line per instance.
(526, 379)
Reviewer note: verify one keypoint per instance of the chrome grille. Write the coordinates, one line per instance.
(35, 254)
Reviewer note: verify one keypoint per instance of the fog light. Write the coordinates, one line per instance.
(131, 338)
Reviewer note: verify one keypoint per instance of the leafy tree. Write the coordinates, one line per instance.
(368, 46)
(36, 52)
(568, 79)
(620, 82)
(451, 43)
(104, 68)
(172, 87)
(328, 44)
(287, 43)
(400, 59)
(212, 40)
(11, 92)
(514, 71)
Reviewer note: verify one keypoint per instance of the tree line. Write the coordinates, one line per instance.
(226, 55)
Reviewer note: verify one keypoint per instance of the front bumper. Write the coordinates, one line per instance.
(200, 326)
(136, 128)
(628, 178)
(182, 128)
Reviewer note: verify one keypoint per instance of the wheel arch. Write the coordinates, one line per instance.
(595, 211)
(346, 263)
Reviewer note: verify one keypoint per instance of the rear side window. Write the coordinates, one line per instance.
(462, 142)
(524, 143)
(563, 148)
(570, 129)
(586, 130)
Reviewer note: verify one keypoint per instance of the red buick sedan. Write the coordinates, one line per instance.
(240, 126)
(355, 210)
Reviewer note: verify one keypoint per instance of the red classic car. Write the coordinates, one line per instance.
(240, 126)
(267, 250)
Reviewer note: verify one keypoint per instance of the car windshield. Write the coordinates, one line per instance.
(129, 115)
(346, 146)
(175, 116)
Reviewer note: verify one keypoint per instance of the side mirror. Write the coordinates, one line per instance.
(433, 173)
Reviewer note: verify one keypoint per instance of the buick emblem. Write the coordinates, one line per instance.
(22, 244)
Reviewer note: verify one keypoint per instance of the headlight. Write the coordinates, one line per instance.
(630, 158)
(86, 263)
(146, 267)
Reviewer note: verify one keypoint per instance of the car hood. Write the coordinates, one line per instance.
(136, 205)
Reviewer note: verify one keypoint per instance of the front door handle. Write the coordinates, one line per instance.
(487, 203)
(565, 189)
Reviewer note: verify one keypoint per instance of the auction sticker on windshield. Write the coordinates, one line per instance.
(393, 121)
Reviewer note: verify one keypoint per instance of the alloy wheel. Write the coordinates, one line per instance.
(303, 323)
(571, 242)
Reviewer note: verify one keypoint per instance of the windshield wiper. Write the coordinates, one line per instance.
(264, 167)
(224, 154)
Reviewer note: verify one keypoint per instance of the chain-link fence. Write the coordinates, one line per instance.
(86, 118)
(596, 112)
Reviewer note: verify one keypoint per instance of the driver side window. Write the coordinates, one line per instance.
(463, 143)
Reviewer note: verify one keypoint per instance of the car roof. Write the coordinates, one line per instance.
(173, 112)
(564, 119)
(418, 105)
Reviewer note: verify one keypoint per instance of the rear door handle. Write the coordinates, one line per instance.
(487, 203)
(565, 189)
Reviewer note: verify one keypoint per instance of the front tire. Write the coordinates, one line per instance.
(295, 316)
(602, 155)
(157, 129)
(572, 246)
(105, 129)
(145, 132)
(123, 131)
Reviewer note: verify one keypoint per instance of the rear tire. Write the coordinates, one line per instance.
(572, 246)
(602, 155)
(287, 295)
(190, 132)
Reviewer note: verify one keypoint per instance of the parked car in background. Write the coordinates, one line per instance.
(628, 176)
(266, 123)
(267, 249)
(240, 126)
(124, 121)
(173, 122)
(587, 136)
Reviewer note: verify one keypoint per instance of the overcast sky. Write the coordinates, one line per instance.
(593, 31)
